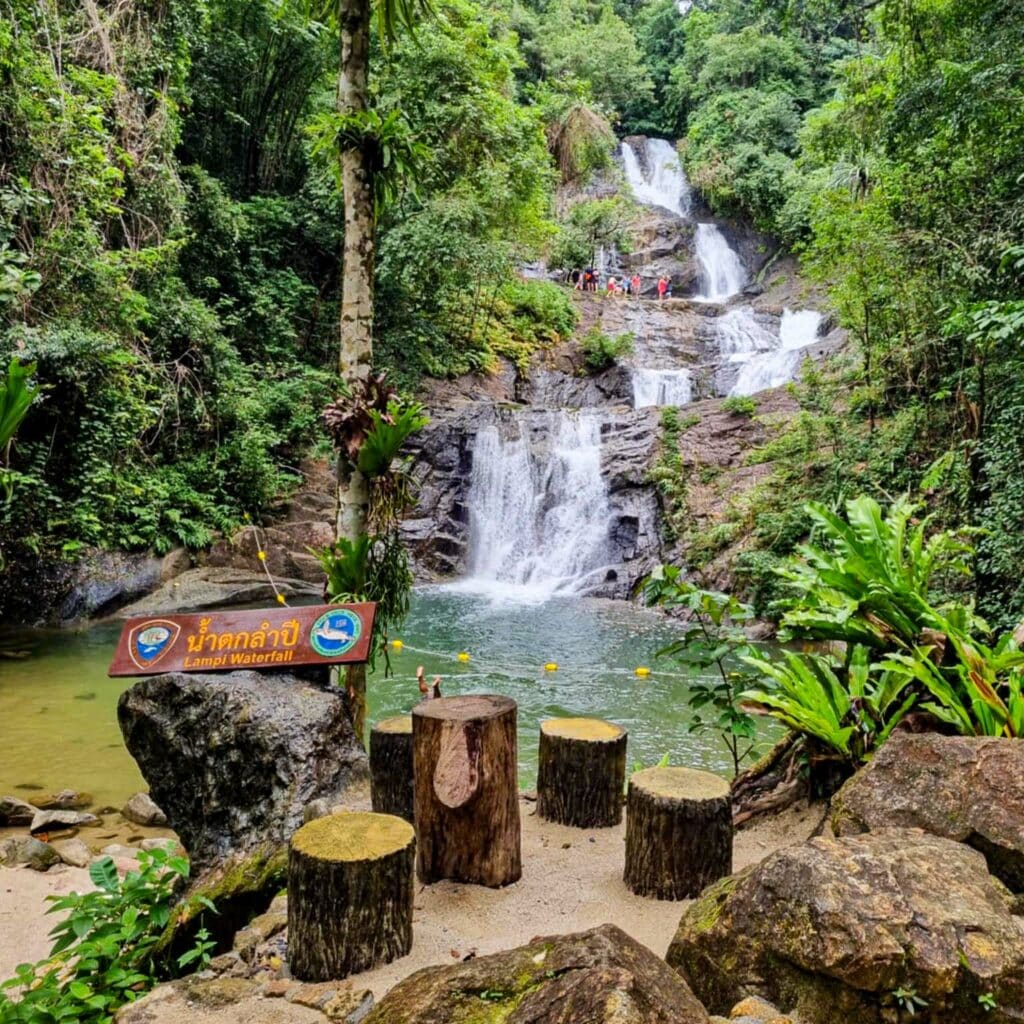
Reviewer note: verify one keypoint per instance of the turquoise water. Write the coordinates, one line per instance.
(58, 709)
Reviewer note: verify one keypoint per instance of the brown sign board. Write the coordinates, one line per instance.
(254, 639)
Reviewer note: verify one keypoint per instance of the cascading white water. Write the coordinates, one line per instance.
(661, 387)
(538, 514)
(664, 184)
(722, 273)
(767, 361)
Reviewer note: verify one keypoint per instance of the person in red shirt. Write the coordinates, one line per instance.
(662, 287)
(635, 285)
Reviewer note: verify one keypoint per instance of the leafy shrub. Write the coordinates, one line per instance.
(713, 638)
(739, 405)
(103, 951)
(868, 582)
(601, 351)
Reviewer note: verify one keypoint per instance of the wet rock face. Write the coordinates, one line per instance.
(597, 977)
(966, 788)
(232, 759)
(833, 927)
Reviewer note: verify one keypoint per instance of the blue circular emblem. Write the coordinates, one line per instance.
(335, 632)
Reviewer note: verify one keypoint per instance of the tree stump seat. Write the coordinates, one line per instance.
(581, 772)
(350, 893)
(391, 785)
(466, 802)
(678, 832)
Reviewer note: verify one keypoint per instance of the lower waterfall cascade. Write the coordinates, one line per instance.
(538, 504)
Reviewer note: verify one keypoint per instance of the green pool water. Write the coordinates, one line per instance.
(58, 720)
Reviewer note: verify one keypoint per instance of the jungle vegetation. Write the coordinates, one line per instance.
(171, 233)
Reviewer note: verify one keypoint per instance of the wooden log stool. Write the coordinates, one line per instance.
(466, 790)
(350, 891)
(582, 772)
(391, 766)
(678, 832)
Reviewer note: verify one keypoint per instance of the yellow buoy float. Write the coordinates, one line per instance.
(397, 644)
(463, 655)
(551, 666)
(642, 671)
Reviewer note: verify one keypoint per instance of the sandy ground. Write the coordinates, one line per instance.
(572, 880)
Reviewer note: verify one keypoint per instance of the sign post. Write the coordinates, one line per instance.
(261, 638)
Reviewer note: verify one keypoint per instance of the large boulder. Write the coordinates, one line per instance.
(601, 976)
(834, 927)
(232, 759)
(967, 788)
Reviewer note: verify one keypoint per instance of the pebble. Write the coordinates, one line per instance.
(141, 810)
(53, 821)
(74, 852)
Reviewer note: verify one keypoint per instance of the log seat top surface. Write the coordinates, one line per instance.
(353, 836)
(464, 709)
(399, 723)
(680, 783)
(596, 730)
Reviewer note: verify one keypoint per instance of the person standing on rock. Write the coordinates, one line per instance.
(636, 286)
(576, 279)
(662, 287)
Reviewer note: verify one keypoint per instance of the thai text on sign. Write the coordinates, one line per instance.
(258, 638)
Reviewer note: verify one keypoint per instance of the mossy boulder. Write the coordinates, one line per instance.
(967, 788)
(833, 927)
(601, 976)
(233, 758)
(240, 888)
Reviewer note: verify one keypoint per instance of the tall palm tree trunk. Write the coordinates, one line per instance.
(355, 353)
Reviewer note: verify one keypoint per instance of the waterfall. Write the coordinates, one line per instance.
(661, 387)
(722, 273)
(766, 360)
(539, 511)
(665, 184)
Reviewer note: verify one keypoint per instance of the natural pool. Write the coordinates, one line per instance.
(58, 709)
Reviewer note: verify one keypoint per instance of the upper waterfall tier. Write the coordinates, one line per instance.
(659, 180)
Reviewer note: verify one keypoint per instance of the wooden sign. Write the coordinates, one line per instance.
(260, 638)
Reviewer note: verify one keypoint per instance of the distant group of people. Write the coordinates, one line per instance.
(590, 280)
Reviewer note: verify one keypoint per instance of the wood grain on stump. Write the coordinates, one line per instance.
(391, 766)
(678, 832)
(350, 891)
(466, 790)
(581, 772)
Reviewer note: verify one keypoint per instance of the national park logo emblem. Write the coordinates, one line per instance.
(335, 632)
(151, 640)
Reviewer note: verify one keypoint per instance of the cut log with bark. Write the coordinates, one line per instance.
(391, 788)
(350, 892)
(678, 832)
(466, 800)
(581, 772)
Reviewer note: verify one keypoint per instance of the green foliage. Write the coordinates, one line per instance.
(844, 706)
(102, 955)
(869, 585)
(389, 431)
(369, 429)
(597, 48)
(601, 351)
(712, 638)
(740, 405)
(588, 226)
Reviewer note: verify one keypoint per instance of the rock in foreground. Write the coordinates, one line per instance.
(232, 759)
(833, 927)
(596, 977)
(967, 788)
